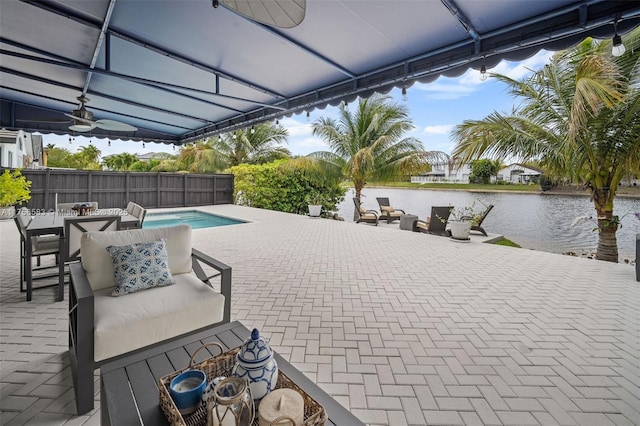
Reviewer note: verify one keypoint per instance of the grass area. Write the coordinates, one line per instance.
(633, 191)
(458, 186)
(506, 242)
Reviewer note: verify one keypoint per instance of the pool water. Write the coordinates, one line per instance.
(196, 219)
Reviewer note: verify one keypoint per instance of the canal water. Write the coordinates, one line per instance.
(534, 221)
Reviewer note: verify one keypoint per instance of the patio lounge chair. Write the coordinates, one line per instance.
(103, 327)
(476, 225)
(138, 211)
(436, 223)
(366, 216)
(387, 211)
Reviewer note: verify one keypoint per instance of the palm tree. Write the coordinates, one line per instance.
(121, 161)
(368, 144)
(257, 145)
(200, 157)
(580, 117)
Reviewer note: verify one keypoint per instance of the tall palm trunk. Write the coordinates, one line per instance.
(607, 227)
(358, 190)
(607, 241)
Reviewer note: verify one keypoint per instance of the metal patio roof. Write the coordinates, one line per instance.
(179, 70)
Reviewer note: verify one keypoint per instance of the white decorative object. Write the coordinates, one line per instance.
(314, 210)
(460, 230)
(255, 363)
(279, 403)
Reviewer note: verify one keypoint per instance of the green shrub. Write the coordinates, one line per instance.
(282, 186)
(14, 188)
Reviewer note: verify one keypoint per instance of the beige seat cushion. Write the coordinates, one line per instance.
(368, 216)
(136, 320)
(97, 264)
(422, 225)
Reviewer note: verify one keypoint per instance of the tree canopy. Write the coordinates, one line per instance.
(370, 144)
(579, 117)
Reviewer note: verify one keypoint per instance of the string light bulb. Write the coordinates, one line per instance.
(108, 143)
(618, 48)
(308, 116)
(405, 97)
(143, 144)
(253, 130)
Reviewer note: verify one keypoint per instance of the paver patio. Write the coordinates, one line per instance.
(401, 328)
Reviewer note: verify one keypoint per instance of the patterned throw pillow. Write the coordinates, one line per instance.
(140, 266)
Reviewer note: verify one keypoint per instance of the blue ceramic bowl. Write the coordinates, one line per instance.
(186, 389)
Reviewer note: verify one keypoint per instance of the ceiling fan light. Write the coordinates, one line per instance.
(81, 127)
(618, 48)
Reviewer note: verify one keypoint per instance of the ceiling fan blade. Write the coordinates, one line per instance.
(276, 13)
(82, 127)
(115, 126)
(79, 119)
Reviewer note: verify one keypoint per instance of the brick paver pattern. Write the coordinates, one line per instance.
(401, 328)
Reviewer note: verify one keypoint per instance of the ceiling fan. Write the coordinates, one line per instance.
(276, 13)
(83, 120)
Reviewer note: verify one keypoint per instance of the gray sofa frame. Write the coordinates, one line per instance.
(81, 323)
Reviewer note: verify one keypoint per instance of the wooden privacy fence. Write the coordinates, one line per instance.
(116, 189)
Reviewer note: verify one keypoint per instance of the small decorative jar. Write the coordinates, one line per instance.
(282, 407)
(231, 404)
(256, 364)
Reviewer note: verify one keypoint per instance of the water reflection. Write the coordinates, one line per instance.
(540, 222)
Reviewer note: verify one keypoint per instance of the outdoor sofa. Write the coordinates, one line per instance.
(103, 327)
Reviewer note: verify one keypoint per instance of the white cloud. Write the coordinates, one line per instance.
(296, 128)
(442, 129)
(311, 142)
(446, 88)
(518, 70)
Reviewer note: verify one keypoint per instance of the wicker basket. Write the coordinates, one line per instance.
(221, 365)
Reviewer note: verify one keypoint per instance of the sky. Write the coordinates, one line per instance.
(435, 108)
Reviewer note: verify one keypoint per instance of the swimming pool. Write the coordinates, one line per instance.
(196, 219)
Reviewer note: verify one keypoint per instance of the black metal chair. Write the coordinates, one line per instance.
(387, 211)
(42, 245)
(366, 216)
(436, 223)
(74, 227)
(477, 222)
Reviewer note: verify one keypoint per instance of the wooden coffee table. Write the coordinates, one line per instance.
(129, 392)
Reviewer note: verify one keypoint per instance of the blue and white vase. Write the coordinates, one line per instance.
(256, 364)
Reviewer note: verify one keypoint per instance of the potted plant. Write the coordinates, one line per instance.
(315, 200)
(14, 189)
(461, 219)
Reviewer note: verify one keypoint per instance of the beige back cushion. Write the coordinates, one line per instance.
(386, 208)
(96, 261)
